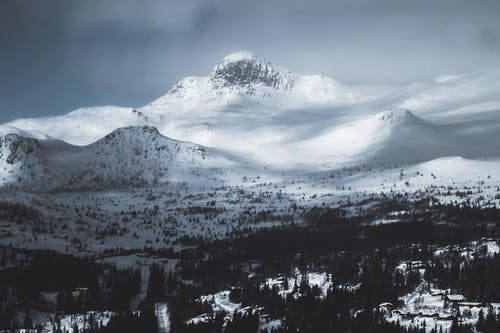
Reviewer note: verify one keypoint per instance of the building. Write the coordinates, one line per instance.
(451, 301)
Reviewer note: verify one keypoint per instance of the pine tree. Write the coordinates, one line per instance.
(455, 328)
(491, 321)
(480, 321)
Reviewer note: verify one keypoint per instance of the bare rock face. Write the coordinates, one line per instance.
(244, 70)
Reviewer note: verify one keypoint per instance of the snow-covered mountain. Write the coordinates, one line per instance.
(242, 75)
(239, 82)
(395, 135)
(449, 97)
(131, 156)
(251, 145)
(83, 126)
(244, 72)
(20, 160)
(270, 116)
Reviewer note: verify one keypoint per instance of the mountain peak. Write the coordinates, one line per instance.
(132, 132)
(396, 114)
(404, 117)
(245, 70)
(136, 130)
(242, 74)
(239, 56)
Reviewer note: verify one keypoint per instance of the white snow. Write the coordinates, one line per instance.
(161, 312)
(220, 302)
(250, 149)
(287, 120)
(82, 321)
(83, 126)
(321, 280)
(272, 324)
(6, 129)
(239, 56)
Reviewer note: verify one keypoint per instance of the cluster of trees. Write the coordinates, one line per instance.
(346, 251)
(339, 244)
(487, 323)
(19, 213)
(307, 313)
(476, 278)
(80, 283)
(334, 242)
(305, 309)
(128, 322)
(343, 309)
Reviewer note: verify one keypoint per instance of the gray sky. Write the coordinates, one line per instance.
(57, 55)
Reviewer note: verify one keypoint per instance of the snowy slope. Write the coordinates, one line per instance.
(287, 120)
(243, 77)
(268, 115)
(240, 82)
(373, 138)
(464, 97)
(83, 126)
(20, 160)
(5, 130)
(448, 180)
(404, 137)
(131, 156)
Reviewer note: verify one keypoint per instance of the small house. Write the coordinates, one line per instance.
(451, 301)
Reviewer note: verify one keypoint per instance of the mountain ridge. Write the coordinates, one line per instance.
(129, 156)
(255, 111)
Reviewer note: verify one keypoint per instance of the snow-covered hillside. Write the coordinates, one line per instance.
(131, 156)
(85, 125)
(249, 109)
(20, 160)
(243, 77)
(241, 86)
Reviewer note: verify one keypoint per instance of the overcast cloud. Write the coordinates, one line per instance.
(58, 55)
